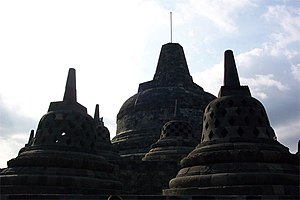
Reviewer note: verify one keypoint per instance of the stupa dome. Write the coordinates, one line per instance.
(175, 142)
(62, 158)
(238, 153)
(141, 116)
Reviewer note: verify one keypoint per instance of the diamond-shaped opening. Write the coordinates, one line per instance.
(255, 132)
(204, 118)
(208, 108)
(212, 114)
(206, 126)
(231, 121)
(238, 111)
(240, 131)
(224, 132)
(217, 123)
(210, 135)
(230, 103)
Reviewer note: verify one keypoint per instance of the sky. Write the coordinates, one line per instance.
(114, 45)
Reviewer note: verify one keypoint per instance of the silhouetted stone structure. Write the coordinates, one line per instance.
(142, 116)
(103, 143)
(238, 154)
(71, 155)
(176, 141)
(61, 159)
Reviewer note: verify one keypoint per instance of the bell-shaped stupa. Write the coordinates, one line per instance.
(62, 158)
(103, 143)
(238, 154)
(141, 117)
(175, 142)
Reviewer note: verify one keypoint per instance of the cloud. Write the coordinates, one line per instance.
(210, 79)
(288, 133)
(296, 71)
(261, 83)
(11, 121)
(288, 31)
(222, 13)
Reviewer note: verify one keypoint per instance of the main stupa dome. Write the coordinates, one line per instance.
(142, 116)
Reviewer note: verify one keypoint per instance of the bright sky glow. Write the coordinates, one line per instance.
(114, 45)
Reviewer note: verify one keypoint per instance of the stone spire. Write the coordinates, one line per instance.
(172, 65)
(172, 70)
(70, 96)
(70, 91)
(237, 154)
(97, 118)
(231, 78)
(96, 115)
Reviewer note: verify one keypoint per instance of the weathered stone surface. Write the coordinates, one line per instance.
(146, 177)
(176, 141)
(238, 153)
(141, 117)
(62, 157)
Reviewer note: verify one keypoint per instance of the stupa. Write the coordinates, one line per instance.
(239, 155)
(103, 143)
(141, 117)
(175, 142)
(61, 160)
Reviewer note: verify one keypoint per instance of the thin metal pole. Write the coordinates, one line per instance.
(171, 25)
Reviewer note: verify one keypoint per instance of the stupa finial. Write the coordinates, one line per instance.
(231, 77)
(97, 115)
(70, 91)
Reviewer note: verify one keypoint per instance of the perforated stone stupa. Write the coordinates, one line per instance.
(141, 117)
(238, 154)
(61, 159)
(175, 142)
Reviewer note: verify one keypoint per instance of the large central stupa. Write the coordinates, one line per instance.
(172, 90)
